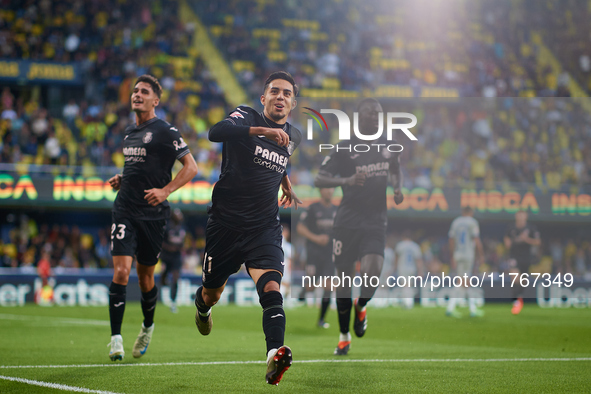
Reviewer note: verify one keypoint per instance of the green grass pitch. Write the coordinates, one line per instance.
(399, 352)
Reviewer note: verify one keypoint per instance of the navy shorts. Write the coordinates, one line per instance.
(140, 238)
(173, 261)
(320, 264)
(350, 245)
(226, 250)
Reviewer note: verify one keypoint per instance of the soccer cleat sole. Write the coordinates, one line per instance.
(283, 360)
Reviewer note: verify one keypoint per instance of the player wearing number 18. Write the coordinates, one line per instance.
(151, 146)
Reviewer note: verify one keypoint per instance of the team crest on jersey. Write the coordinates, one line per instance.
(290, 147)
(147, 138)
(236, 114)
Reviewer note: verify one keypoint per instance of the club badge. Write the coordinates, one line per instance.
(148, 137)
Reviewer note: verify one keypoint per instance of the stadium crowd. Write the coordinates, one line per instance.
(25, 241)
(481, 48)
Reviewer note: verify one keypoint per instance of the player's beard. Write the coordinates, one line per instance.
(275, 117)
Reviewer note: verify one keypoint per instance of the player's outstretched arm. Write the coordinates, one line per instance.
(277, 135)
(324, 180)
(226, 131)
(289, 195)
(188, 172)
(320, 239)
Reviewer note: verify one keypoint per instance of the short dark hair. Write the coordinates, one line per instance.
(467, 209)
(367, 100)
(282, 75)
(149, 79)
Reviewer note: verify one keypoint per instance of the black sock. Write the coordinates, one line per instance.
(149, 306)
(344, 306)
(362, 302)
(273, 319)
(200, 304)
(174, 287)
(325, 304)
(117, 294)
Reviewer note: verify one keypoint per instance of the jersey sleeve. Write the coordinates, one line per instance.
(173, 142)
(331, 165)
(296, 137)
(235, 126)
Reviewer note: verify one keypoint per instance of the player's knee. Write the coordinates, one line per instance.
(121, 275)
(268, 282)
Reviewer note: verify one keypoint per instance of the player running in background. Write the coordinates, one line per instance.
(359, 232)
(408, 261)
(464, 237)
(172, 246)
(243, 226)
(520, 239)
(151, 146)
(316, 226)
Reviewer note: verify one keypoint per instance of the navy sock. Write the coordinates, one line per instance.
(325, 303)
(117, 294)
(200, 304)
(273, 319)
(174, 287)
(149, 306)
(344, 306)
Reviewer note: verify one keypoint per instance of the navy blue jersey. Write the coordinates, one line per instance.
(521, 250)
(362, 207)
(319, 219)
(174, 238)
(246, 195)
(150, 151)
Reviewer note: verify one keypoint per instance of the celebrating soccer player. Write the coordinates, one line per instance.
(151, 146)
(360, 225)
(316, 226)
(243, 225)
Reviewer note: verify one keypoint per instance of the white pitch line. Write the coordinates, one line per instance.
(409, 360)
(55, 385)
(64, 320)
